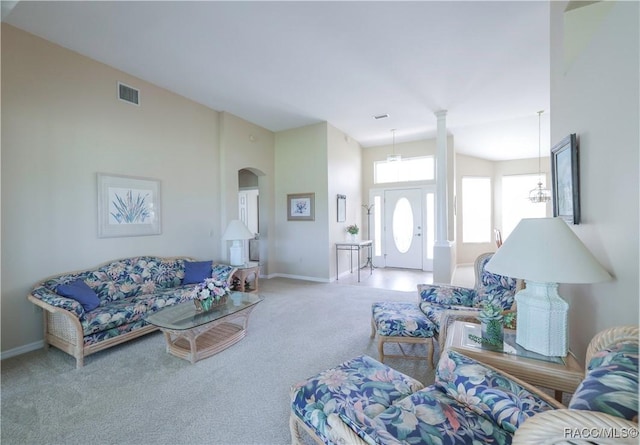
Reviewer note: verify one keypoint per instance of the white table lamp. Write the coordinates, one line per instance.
(544, 252)
(237, 232)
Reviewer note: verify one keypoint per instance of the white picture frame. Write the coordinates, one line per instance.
(128, 206)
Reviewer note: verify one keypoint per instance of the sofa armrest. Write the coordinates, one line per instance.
(573, 426)
(47, 299)
(223, 272)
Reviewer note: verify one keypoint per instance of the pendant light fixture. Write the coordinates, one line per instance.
(394, 157)
(539, 194)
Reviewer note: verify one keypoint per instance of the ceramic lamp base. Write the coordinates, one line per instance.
(542, 319)
(235, 253)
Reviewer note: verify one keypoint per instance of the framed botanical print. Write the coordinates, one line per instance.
(128, 206)
(301, 207)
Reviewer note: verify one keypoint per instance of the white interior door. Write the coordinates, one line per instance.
(403, 228)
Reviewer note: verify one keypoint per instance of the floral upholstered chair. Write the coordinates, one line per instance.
(364, 402)
(443, 304)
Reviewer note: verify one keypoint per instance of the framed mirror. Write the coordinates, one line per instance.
(342, 208)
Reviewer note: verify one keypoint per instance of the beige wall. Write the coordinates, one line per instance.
(64, 126)
(244, 145)
(594, 93)
(344, 178)
(302, 247)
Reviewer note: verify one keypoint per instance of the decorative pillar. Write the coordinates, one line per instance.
(443, 254)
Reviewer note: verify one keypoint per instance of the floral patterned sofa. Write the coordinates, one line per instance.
(91, 310)
(363, 401)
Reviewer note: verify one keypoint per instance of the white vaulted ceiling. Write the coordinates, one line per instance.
(285, 64)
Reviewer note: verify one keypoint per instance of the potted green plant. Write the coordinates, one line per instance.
(493, 319)
(353, 230)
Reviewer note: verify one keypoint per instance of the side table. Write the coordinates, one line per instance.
(240, 276)
(561, 374)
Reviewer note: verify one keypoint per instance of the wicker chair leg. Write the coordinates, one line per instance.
(296, 438)
(381, 349)
(373, 328)
(430, 353)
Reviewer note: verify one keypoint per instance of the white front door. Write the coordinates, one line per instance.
(403, 228)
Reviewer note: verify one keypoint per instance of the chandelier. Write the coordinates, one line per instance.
(394, 157)
(539, 194)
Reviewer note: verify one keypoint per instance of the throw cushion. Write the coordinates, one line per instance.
(196, 271)
(486, 391)
(79, 290)
(611, 384)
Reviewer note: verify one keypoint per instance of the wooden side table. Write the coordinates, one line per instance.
(560, 374)
(240, 276)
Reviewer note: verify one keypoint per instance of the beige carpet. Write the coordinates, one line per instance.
(136, 393)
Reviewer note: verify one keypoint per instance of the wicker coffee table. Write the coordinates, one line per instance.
(193, 335)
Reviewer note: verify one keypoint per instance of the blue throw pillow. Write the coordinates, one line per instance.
(81, 292)
(196, 271)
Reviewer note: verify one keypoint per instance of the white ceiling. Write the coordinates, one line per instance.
(285, 64)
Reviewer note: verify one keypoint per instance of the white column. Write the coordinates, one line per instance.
(443, 249)
(441, 178)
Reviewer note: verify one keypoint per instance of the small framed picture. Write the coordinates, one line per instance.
(566, 179)
(301, 207)
(342, 208)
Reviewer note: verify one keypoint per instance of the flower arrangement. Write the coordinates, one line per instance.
(353, 229)
(210, 293)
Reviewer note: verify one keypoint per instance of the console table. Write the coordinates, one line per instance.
(355, 246)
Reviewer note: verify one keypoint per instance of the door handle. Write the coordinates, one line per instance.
(418, 234)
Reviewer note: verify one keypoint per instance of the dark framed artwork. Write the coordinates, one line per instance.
(565, 177)
(301, 207)
(342, 208)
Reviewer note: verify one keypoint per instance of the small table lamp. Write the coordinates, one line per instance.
(237, 232)
(544, 252)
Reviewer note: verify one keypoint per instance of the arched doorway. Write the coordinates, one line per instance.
(249, 209)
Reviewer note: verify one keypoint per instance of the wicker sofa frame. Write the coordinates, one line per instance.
(63, 329)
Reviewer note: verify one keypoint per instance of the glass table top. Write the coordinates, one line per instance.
(509, 344)
(184, 315)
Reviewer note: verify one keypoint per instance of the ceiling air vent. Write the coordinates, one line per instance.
(128, 94)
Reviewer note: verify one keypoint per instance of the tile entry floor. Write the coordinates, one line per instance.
(403, 279)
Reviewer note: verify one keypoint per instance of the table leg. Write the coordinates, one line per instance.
(358, 263)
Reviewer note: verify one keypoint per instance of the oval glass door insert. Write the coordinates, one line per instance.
(403, 225)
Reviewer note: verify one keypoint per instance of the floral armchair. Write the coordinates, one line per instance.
(364, 402)
(443, 304)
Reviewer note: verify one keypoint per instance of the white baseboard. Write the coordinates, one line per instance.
(22, 349)
(300, 277)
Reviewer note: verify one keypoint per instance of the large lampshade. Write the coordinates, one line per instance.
(544, 252)
(236, 231)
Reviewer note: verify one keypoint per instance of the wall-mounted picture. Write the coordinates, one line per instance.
(342, 208)
(301, 207)
(128, 206)
(566, 179)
